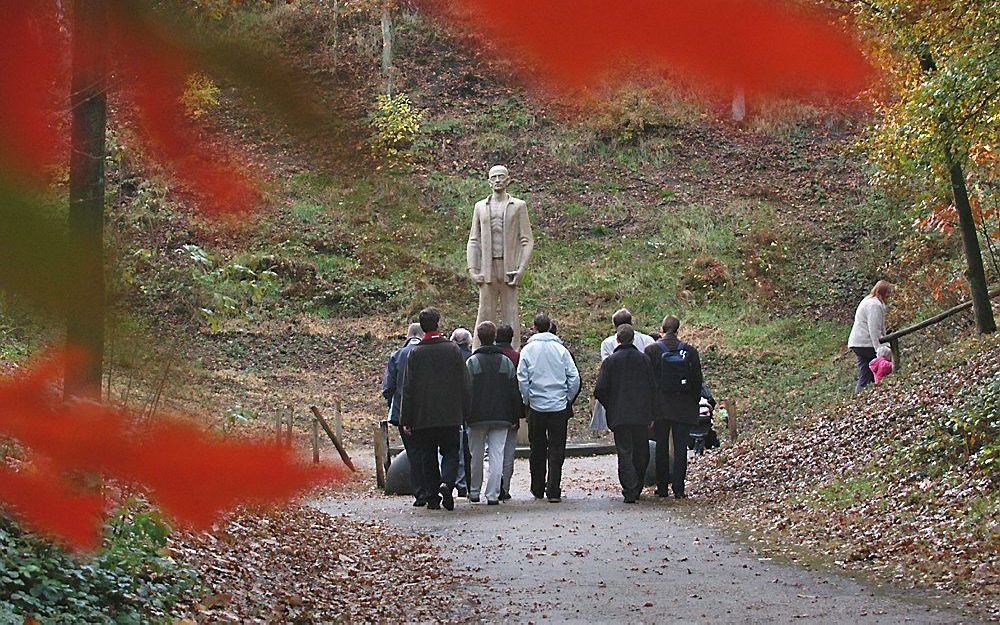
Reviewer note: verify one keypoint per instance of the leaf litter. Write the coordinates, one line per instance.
(302, 565)
(831, 488)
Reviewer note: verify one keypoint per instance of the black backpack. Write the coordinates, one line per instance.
(676, 370)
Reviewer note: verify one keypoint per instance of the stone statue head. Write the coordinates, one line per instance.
(499, 178)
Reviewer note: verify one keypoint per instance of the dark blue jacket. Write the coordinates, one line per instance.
(392, 381)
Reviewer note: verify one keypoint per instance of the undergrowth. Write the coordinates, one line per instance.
(130, 580)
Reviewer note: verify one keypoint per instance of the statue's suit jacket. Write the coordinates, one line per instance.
(518, 241)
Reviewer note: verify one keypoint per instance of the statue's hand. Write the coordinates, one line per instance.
(479, 278)
(514, 278)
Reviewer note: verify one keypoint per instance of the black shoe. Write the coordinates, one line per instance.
(504, 495)
(555, 499)
(539, 495)
(662, 493)
(474, 498)
(433, 505)
(419, 503)
(492, 502)
(447, 499)
(630, 500)
(680, 496)
(463, 492)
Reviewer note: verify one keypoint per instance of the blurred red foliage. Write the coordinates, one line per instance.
(148, 70)
(194, 476)
(767, 47)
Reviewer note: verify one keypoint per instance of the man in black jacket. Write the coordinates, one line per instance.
(436, 401)
(677, 371)
(625, 388)
(496, 407)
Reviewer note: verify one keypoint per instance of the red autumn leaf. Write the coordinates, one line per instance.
(153, 74)
(46, 505)
(766, 47)
(147, 70)
(192, 475)
(31, 75)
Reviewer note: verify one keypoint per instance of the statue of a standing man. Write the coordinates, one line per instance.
(500, 245)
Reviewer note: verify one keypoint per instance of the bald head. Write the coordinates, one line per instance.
(499, 179)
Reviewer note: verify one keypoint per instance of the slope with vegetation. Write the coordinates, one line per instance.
(761, 236)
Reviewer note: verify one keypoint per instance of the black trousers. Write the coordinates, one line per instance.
(671, 455)
(547, 437)
(865, 376)
(430, 441)
(632, 445)
(416, 466)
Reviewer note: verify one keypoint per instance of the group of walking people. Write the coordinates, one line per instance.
(453, 406)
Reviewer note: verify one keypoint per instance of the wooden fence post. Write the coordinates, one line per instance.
(277, 427)
(731, 413)
(288, 432)
(897, 355)
(315, 441)
(338, 418)
(333, 437)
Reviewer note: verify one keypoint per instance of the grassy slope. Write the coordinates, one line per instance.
(780, 214)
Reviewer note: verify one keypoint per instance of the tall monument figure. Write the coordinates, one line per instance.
(500, 245)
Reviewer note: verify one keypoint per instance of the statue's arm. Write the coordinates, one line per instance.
(526, 239)
(473, 250)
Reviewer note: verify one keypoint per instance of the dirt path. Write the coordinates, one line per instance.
(592, 558)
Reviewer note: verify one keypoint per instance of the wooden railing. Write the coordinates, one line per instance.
(893, 338)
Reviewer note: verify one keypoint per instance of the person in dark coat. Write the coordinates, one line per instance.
(674, 411)
(463, 338)
(505, 339)
(392, 390)
(625, 387)
(496, 408)
(436, 401)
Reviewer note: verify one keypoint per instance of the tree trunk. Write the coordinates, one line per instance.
(335, 35)
(88, 99)
(976, 273)
(739, 106)
(387, 46)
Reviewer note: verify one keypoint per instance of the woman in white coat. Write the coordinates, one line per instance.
(869, 327)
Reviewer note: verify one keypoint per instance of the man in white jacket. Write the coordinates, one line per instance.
(548, 380)
(599, 420)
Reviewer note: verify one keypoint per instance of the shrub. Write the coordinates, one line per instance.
(396, 125)
(130, 580)
(200, 95)
(706, 274)
(765, 256)
(968, 434)
(635, 112)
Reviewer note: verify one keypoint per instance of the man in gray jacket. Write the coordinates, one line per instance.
(548, 380)
(392, 390)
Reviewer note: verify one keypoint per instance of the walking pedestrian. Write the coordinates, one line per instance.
(496, 408)
(392, 390)
(505, 337)
(435, 403)
(625, 386)
(548, 381)
(623, 316)
(463, 338)
(867, 331)
(677, 372)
